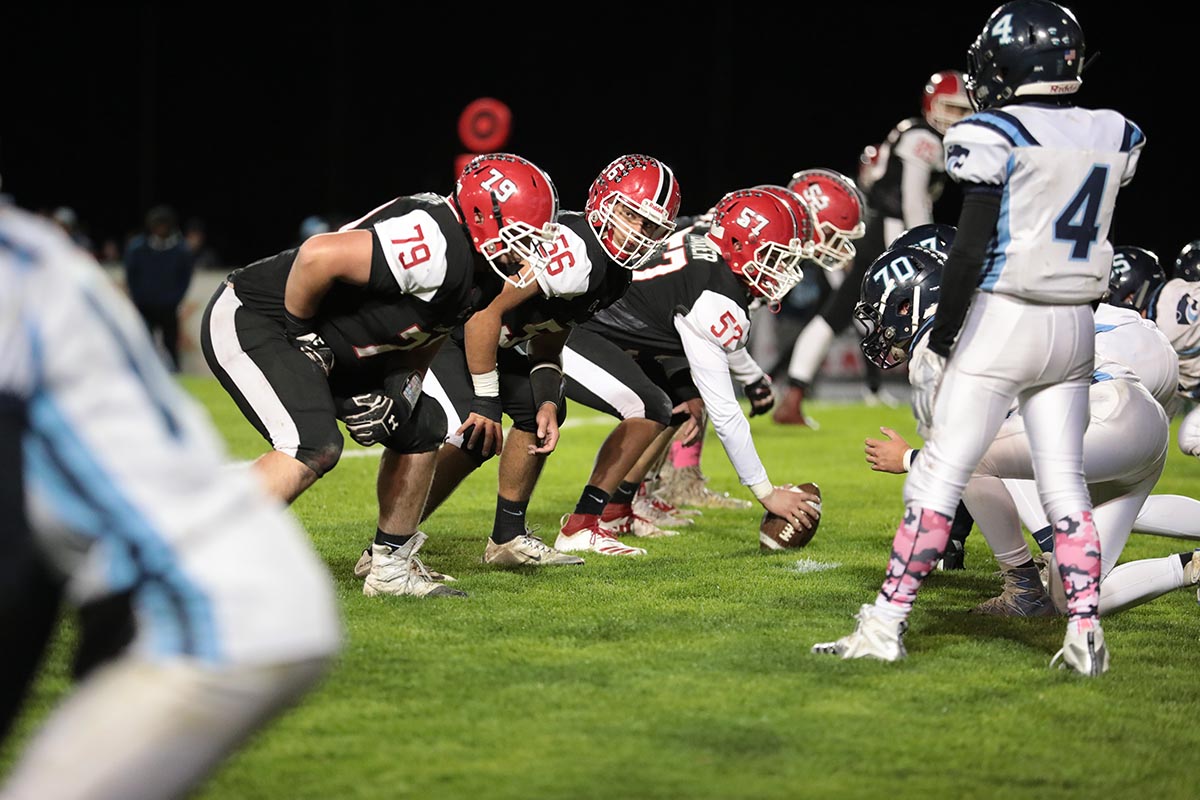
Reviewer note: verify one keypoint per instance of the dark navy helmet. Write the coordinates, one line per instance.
(1027, 47)
(1187, 263)
(899, 299)
(932, 236)
(1135, 276)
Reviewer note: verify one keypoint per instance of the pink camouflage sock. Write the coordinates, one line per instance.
(685, 456)
(915, 551)
(1077, 551)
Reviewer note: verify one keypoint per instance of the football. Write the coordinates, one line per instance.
(776, 533)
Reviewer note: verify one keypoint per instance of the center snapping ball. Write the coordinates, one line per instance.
(777, 533)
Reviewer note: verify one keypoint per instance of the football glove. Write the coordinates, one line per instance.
(925, 370)
(375, 422)
(301, 334)
(760, 395)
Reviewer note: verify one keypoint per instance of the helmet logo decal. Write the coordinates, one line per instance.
(751, 220)
(815, 196)
(500, 185)
(1002, 30)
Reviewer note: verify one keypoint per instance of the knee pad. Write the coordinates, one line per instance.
(424, 431)
(528, 423)
(321, 458)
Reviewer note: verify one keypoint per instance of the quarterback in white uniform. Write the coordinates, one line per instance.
(1040, 178)
(151, 537)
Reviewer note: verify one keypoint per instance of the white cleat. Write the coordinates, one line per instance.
(526, 550)
(398, 571)
(1083, 649)
(877, 636)
(593, 538)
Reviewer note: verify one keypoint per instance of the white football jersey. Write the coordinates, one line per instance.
(1176, 312)
(128, 484)
(1127, 343)
(1059, 170)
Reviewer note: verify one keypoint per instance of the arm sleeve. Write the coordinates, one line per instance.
(960, 276)
(744, 368)
(711, 373)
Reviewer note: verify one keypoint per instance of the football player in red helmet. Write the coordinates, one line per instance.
(631, 209)
(907, 176)
(689, 303)
(944, 101)
(502, 198)
(632, 206)
(345, 326)
(839, 208)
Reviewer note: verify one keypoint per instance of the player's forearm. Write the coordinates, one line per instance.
(960, 277)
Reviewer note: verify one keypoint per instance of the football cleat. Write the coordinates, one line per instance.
(1023, 596)
(362, 568)
(579, 532)
(688, 487)
(398, 571)
(1083, 649)
(526, 550)
(622, 520)
(878, 636)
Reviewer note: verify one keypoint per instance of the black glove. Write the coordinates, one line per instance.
(300, 333)
(375, 422)
(760, 395)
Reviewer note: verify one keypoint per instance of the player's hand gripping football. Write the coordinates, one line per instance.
(793, 504)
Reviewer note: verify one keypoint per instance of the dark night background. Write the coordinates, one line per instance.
(252, 120)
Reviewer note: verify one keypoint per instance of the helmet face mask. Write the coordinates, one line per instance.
(632, 205)
(1027, 47)
(837, 205)
(758, 235)
(509, 207)
(898, 300)
(945, 99)
(1135, 276)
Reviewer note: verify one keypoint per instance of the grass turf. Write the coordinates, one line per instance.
(687, 672)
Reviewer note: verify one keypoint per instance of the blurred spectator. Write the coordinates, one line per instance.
(158, 271)
(68, 220)
(204, 254)
(312, 225)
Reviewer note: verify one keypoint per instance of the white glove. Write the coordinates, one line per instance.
(925, 370)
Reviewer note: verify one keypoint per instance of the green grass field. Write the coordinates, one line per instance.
(687, 674)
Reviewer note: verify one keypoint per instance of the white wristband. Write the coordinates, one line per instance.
(487, 384)
(908, 457)
(762, 489)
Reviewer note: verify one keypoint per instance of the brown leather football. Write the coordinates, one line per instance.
(776, 533)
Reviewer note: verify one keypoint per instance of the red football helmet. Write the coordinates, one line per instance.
(945, 101)
(757, 234)
(839, 207)
(806, 220)
(509, 206)
(632, 206)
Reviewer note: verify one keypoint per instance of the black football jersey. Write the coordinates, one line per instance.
(912, 138)
(424, 282)
(673, 283)
(607, 281)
